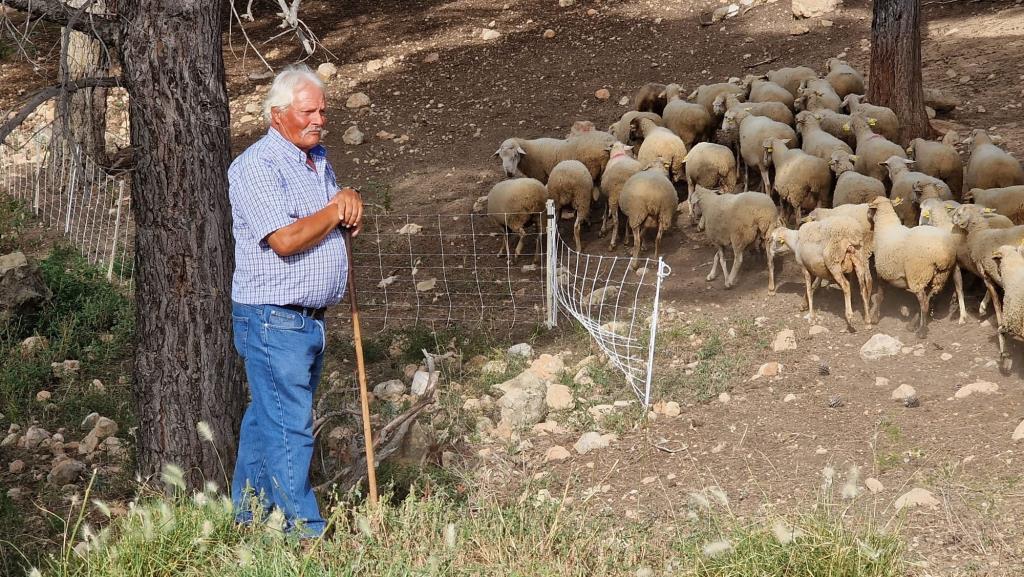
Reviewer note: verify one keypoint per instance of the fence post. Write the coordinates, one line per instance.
(551, 224)
(117, 226)
(71, 194)
(35, 201)
(663, 271)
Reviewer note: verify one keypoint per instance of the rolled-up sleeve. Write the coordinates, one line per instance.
(258, 194)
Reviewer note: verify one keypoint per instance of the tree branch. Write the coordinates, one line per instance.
(105, 28)
(47, 93)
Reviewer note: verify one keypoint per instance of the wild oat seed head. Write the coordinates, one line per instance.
(205, 432)
(35, 573)
(173, 476)
(717, 548)
(101, 507)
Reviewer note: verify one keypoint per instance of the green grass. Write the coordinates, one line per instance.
(87, 320)
(439, 536)
(13, 216)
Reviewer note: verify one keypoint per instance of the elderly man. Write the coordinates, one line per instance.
(290, 264)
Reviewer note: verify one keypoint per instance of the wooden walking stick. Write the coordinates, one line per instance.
(364, 395)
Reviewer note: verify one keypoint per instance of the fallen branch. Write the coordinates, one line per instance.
(761, 63)
(50, 92)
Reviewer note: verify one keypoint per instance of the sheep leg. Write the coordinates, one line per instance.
(844, 283)
(864, 280)
(613, 210)
(766, 182)
(737, 260)
(958, 288)
(997, 306)
(657, 241)
(876, 303)
(925, 303)
(714, 265)
(503, 250)
(983, 307)
(576, 232)
(746, 176)
(809, 287)
(521, 231)
(771, 265)
(636, 246)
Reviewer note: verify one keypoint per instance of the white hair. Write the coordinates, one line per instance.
(282, 90)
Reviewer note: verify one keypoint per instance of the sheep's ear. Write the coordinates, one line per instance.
(496, 152)
(520, 150)
(661, 94)
(628, 147)
(854, 158)
(910, 150)
(785, 141)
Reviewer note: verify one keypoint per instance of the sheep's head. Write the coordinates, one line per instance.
(841, 161)
(696, 201)
(658, 164)
(510, 152)
(969, 195)
(718, 106)
(730, 121)
(1004, 252)
(617, 149)
(979, 136)
(896, 165)
(672, 91)
(951, 138)
(777, 242)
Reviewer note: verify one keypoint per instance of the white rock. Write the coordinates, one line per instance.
(523, 404)
(521, 349)
(559, 398)
(789, 398)
(549, 33)
(547, 367)
(881, 382)
(89, 421)
(771, 369)
(983, 387)
(32, 344)
(352, 136)
(817, 330)
(326, 70)
(724, 397)
(390, 390)
(566, 3)
(601, 296)
(490, 34)
(1018, 433)
(357, 100)
(671, 409)
(496, 367)
(784, 341)
(874, 485)
(420, 380)
(814, 8)
(602, 94)
(916, 497)
(556, 454)
(34, 437)
(902, 392)
(432, 57)
(16, 466)
(946, 356)
(880, 346)
(591, 441)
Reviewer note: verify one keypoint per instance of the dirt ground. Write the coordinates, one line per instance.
(766, 452)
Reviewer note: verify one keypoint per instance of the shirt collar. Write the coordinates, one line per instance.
(317, 152)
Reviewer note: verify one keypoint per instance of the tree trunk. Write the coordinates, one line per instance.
(81, 115)
(895, 79)
(185, 369)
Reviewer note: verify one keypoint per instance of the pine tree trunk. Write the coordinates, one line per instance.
(185, 370)
(895, 79)
(81, 117)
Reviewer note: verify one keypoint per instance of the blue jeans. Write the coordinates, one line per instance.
(283, 353)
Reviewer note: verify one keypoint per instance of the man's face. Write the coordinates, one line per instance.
(302, 122)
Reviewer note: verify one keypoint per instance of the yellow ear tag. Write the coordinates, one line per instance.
(988, 210)
(926, 214)
(872, 122)
(782, 241)
(769, 149)
(897, 201)
(846, 127)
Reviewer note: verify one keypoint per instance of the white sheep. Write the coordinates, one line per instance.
(881, 119)
(689, 121)
(1011, 268)
(837, 124)
(858, 212)
(802, 181)
(753, 130)
(621, 166)
(816, 141)
(939, 159)
(711, 166)
(705, 94)
(737, 221)
(1007, 201)
(873, 150)
(991, 166)
(791, 78)
(648, 200)
(570, 185)
(660, 142)
(919, 260)
(622, 128)
(851, 186)
(817, 94)
(828, 250)
(981, 241)
(761, 90)
(845, 79)
(512, 205)
(535, 158)
(904, 182)
(777, 111)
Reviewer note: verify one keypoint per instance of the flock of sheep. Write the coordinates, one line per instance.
(830, 165)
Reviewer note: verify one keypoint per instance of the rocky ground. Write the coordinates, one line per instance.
(751, 398)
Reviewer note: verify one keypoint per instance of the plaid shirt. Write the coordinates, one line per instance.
(271, 186)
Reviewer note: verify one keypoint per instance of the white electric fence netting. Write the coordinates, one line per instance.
(427, 269)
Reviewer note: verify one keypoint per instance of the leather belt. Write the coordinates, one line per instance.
(317, 314)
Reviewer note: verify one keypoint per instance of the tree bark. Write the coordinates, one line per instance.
(895, 78)
(82, 115)
(185, 368)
